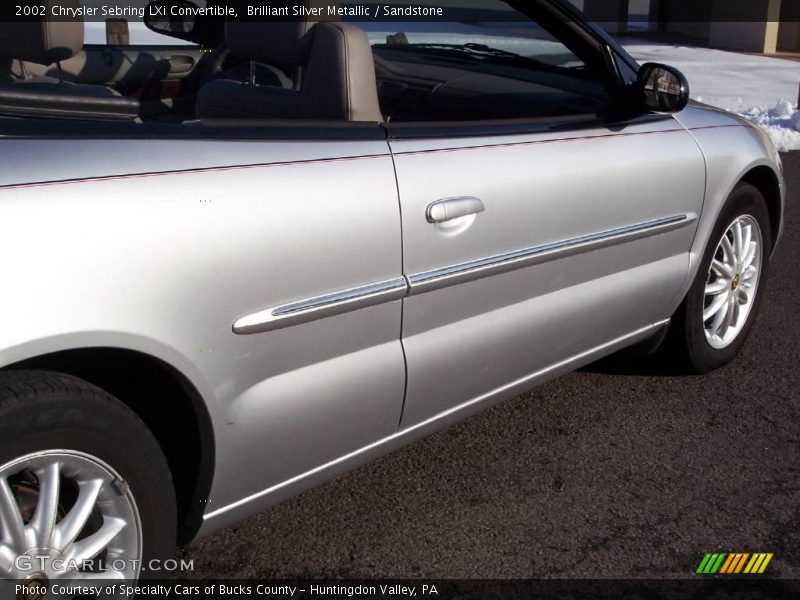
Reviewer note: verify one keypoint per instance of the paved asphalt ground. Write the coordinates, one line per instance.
(597, 474)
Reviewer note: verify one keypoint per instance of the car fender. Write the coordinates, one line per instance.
(731, 149)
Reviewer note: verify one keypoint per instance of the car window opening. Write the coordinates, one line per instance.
(424, 72)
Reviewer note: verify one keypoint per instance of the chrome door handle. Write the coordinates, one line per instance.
(453, 208)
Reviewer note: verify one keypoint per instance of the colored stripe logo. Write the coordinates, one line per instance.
(734, 563)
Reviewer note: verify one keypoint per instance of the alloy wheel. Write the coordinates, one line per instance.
(66, 515)
(732, 281)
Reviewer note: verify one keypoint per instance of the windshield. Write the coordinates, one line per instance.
(488, 25)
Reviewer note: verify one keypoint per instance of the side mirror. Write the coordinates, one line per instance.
(172, 17)
(662, 89)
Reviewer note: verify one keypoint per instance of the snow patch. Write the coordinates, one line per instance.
(783, 110)
(782, 122)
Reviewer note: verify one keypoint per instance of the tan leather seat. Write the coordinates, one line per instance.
(46, 41)
(329, 64)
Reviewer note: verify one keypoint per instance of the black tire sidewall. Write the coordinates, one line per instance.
(109, 431)
(744, 200)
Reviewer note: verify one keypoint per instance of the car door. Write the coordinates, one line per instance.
(265, 262)
(583, 239)
(313, 367)
(532, 247)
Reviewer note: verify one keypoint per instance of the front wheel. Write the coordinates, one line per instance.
(85, 491)
(712, 324)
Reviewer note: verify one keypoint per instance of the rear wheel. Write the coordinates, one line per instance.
(712, 324)
(85, 491)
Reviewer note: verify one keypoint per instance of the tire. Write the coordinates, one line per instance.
(57, 428)
(692, 339)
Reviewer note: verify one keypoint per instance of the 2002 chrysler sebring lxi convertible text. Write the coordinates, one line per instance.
(282, 258)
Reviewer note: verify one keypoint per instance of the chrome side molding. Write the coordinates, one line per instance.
(518, 259)
(318, 307)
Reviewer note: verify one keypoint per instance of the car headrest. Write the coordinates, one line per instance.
(339, 82)
(279, 41)
(44, 40)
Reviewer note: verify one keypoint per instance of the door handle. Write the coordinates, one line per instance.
(453, 208)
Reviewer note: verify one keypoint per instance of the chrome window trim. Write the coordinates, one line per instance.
(500, 263)
(326, 305)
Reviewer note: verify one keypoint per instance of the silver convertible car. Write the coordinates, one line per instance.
(240, 266)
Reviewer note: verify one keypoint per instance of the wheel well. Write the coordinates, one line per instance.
(764, 179)
(167, 403)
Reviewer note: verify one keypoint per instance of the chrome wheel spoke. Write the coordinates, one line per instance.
(7, 556)
(747, 259)
(719, 316)
(93, 545)
(727, 319)
(717, 287)
(44, 519)
(735, 311)
(11, 524)
(737, 239)
(728, 251)
(715, 307)
(747, 240)
(721, 269)
(72, 524)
